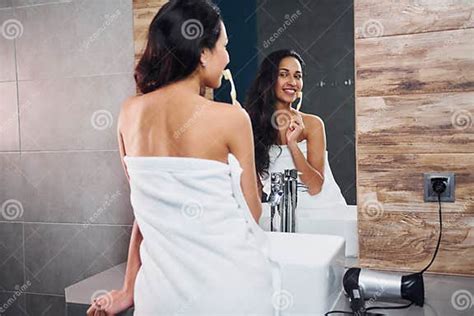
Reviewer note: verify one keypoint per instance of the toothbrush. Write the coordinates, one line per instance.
(233, 94)
(299, 95)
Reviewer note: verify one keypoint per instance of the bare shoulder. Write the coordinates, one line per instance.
(127, 108)
(312, 120)
(233, 123)
(231, 115)
(132, 102)
(129, 103)
(314, 125)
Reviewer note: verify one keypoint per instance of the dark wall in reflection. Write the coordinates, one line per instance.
(240, 19)
(322, 31)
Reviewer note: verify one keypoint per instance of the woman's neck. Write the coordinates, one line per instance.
(191, 84)
(279, 105)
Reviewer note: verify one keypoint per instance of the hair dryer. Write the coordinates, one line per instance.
(362, 284)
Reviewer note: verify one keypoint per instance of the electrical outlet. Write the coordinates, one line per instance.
(447, 195)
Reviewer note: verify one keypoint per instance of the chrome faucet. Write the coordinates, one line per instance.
(283, 199)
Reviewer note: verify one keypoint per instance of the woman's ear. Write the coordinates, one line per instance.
(205, 55)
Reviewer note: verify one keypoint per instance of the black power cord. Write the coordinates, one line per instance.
(339, 312)
(361, 313)
(439, 186)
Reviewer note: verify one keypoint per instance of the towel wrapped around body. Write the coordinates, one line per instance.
(202, 252)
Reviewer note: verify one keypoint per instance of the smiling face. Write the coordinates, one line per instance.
(290, 80)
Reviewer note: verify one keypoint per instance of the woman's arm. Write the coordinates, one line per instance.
(242, 146)
(115, 301)
(133, 261)
(312, 168)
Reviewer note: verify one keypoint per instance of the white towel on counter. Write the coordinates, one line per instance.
(202, 252)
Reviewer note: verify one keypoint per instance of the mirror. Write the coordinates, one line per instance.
(322, 32)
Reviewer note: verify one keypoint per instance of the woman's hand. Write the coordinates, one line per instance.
(295, 128)
(111, 303)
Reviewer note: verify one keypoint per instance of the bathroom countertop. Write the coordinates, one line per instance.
(78, 296)
(444, 295)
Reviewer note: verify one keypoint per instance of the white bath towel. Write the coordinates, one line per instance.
(323, 213)
(202, 252)
(330, 195)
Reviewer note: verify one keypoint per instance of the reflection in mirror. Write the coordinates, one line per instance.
(305, 48)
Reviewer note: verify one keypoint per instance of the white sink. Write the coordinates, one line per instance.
(312, 271)
(338, 220)
(312, 268)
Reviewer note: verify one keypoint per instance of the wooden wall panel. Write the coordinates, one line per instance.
(396, 180)
(406, 241)
(397, 230)
(417, 63)
(143, 13)
(416, 123)
(414, 112)
(384, 18)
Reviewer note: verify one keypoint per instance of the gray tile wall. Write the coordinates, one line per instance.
(65, 68)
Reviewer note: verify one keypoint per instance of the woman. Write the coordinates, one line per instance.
(285, 138)
(195, 247)
(275, 122)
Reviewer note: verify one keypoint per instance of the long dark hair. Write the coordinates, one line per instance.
(260, 105)
(176, 37)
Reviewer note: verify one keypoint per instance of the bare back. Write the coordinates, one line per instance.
(173, 124)
(163, 123)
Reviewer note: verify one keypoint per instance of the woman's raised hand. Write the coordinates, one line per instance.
(295, 128)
